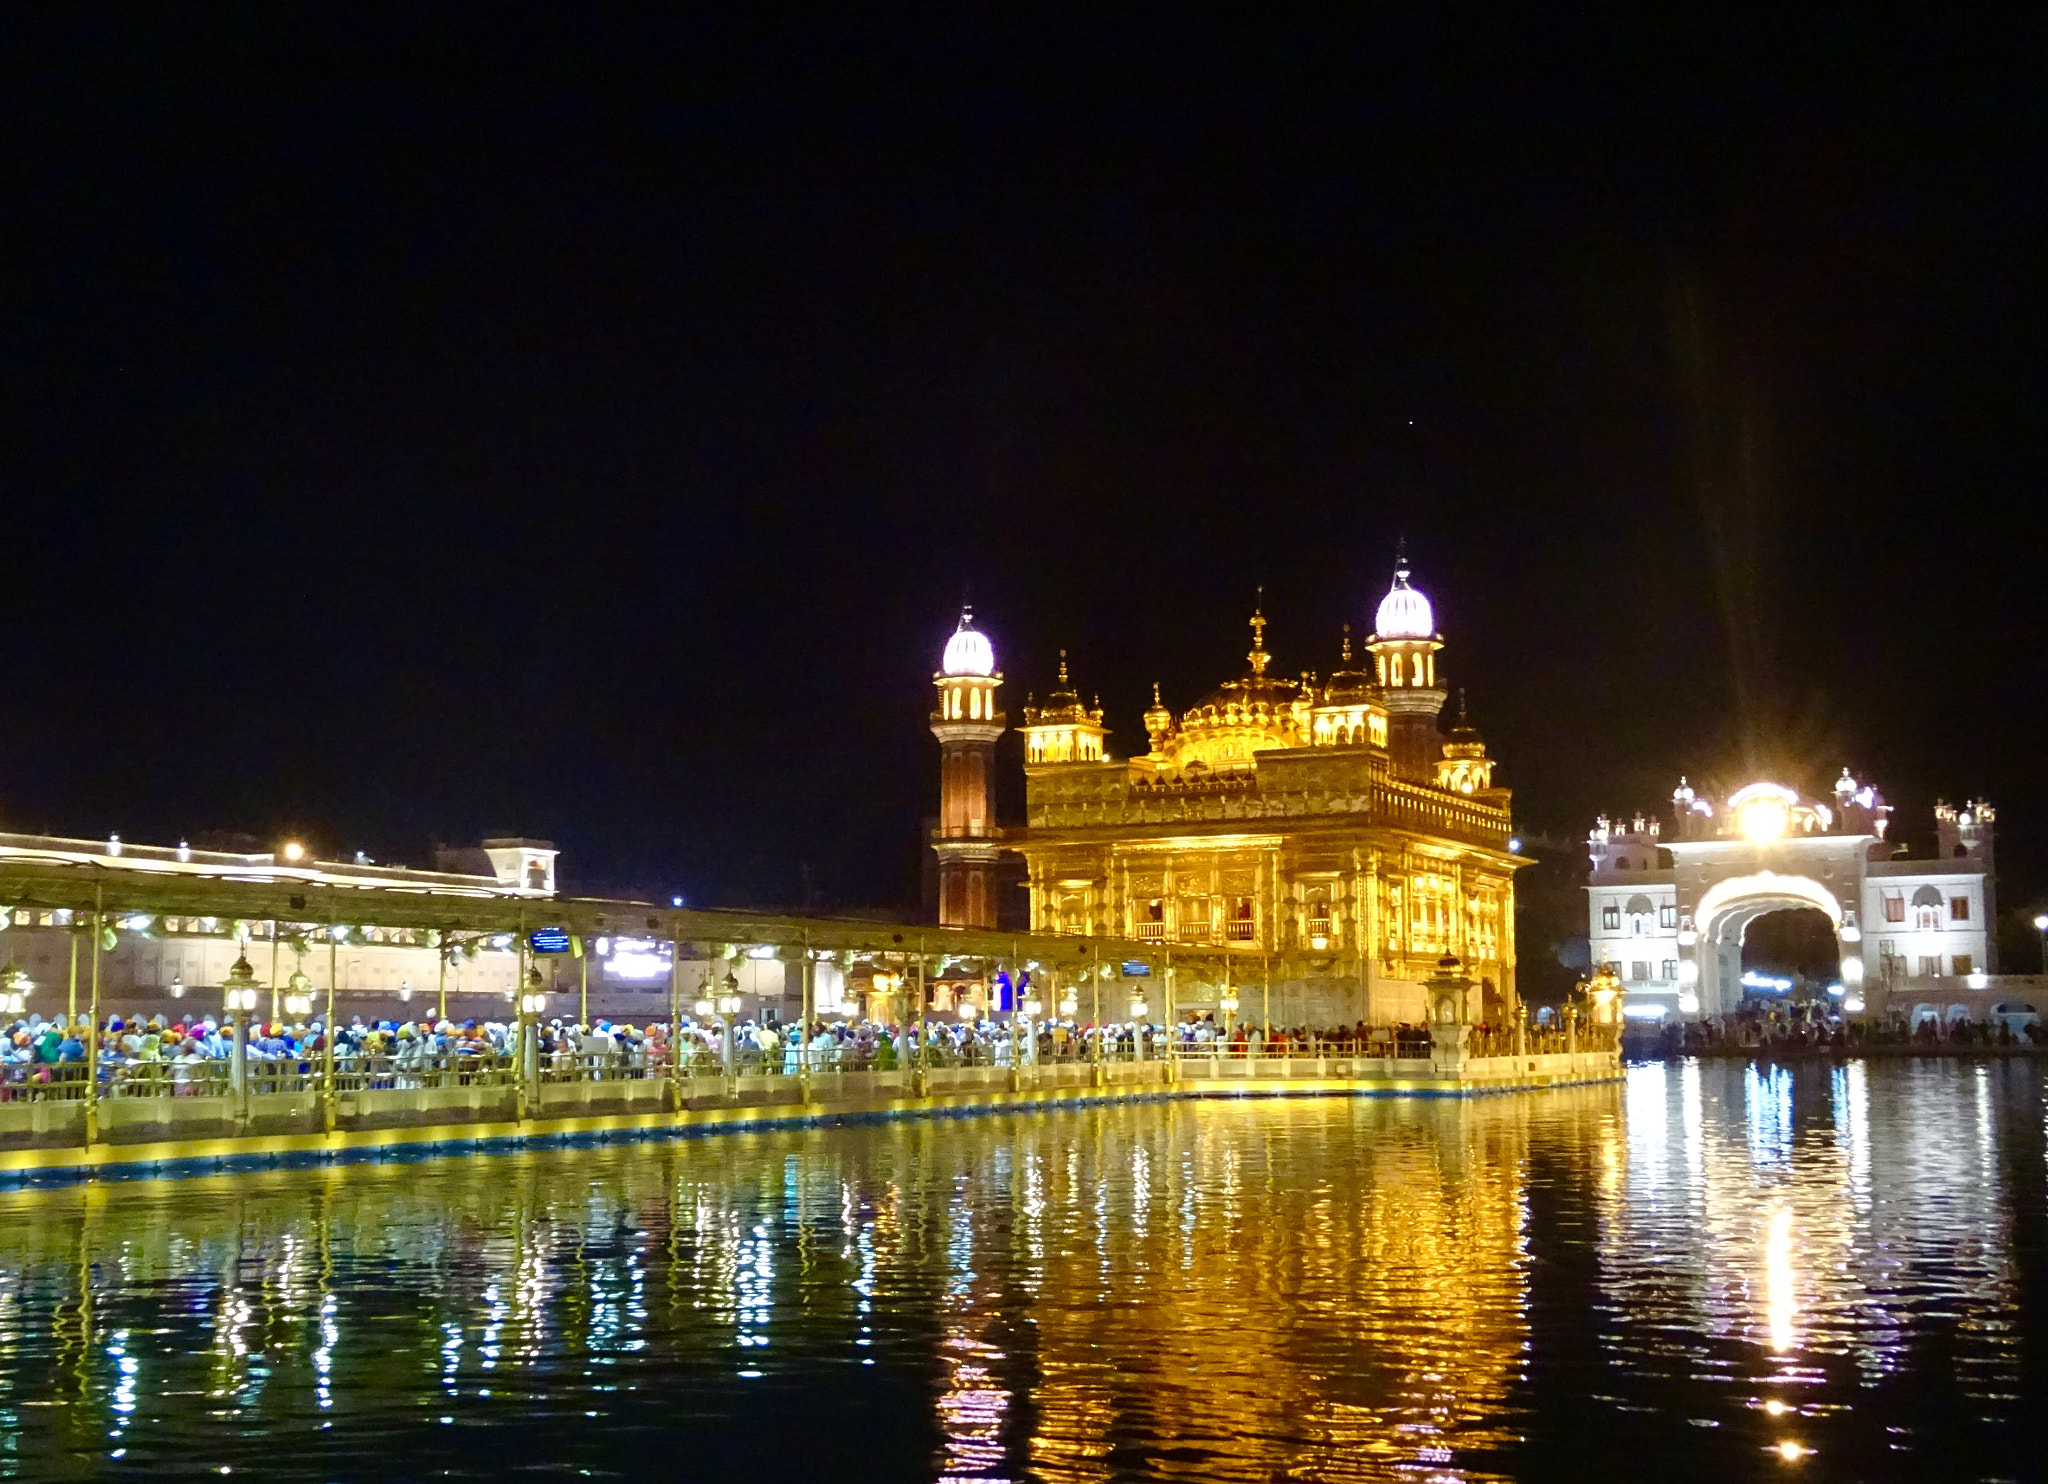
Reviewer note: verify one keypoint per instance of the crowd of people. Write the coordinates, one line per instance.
(165, 1055)
(1754, 1029)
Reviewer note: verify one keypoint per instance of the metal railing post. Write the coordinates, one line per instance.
(673, 1097)
(92, 1034)
(807, 989)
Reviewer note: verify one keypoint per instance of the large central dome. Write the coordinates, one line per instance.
(1404, 613)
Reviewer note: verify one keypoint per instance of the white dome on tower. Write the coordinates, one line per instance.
(968, 652)
(1404, 613)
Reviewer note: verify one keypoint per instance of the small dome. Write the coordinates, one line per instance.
(1404, 613)
(968, 652)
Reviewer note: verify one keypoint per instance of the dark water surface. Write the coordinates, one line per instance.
(1712, 1272)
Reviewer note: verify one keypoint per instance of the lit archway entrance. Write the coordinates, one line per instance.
(1726, 912)
(1798, 943)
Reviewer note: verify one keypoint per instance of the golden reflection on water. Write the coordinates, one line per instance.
(1334, 1289)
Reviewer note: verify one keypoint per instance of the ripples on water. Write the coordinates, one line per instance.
(1712, 1272)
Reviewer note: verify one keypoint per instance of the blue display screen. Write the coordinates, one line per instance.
(549, 940)
(1134, 969)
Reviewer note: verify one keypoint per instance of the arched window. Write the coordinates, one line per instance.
(1926, 910)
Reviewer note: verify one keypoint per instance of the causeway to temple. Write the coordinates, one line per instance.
(1088, 1018)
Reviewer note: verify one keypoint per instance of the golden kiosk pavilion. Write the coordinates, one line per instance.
(1312, 846)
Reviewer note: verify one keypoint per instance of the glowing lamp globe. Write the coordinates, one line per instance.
(968, 652)
(1763, 811)
(1403, 613)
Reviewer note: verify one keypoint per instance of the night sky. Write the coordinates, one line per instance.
(432, 422)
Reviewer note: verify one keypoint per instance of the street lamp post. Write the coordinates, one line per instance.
(15, 988)
(533, 1003)
(240, 999)
(728, 1010)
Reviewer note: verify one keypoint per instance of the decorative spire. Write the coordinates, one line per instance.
(1347, 644)
(1063, 667)
(1155, 694)
(1258, 656)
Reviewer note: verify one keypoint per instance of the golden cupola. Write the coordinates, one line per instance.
(1063, 730)
(1347, 711)
(1158, 725)
(1256, 714)
(1464, 768)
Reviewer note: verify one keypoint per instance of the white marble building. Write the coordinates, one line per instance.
(1670, 912)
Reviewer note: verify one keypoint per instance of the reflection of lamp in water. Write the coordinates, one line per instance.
(1780, 1302)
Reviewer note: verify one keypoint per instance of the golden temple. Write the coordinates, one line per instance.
(1317, 844)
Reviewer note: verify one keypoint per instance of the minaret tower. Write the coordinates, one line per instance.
(1404, 647)
(967, 724)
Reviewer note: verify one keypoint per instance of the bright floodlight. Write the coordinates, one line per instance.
(2041, 923)
(1763, 811)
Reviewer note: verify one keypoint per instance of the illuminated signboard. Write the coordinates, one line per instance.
(633, 958)
(549, 940)
(1137, 969)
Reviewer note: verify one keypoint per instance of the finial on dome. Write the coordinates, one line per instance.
(1155, 694)
(1258, 656)
(1347, 644)
(1063, 667)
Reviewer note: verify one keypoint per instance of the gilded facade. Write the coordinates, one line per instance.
(1315, 844)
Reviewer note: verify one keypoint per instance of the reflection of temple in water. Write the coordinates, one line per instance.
(1199, 1275)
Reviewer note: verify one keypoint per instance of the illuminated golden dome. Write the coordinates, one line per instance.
(1242, 717)
(1348, 684)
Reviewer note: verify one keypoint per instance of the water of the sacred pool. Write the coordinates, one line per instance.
(1710, 1271)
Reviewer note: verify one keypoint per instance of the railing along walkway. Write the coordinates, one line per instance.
(45, 1106)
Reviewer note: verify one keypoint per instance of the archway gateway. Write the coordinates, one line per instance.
(1670, 909)
(1731, 907)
